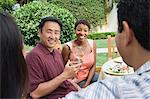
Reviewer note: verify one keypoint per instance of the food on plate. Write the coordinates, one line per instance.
(119, 69)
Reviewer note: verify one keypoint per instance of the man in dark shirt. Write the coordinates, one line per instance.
(47, 75)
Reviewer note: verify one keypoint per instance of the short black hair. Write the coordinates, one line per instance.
(82, 21)
(49, 18)
(137, 14)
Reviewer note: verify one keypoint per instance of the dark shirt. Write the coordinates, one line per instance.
(43, 66)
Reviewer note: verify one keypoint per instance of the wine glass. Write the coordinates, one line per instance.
(79, 54)
(77, 60)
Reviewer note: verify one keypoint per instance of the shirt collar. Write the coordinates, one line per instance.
(144, 68)
(44, 49)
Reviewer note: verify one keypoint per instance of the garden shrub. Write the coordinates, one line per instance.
(7, 5)
(97, 36)
(91, 10)
(29, 15)
(116, 1)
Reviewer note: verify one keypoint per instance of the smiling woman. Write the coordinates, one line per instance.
(82, 50)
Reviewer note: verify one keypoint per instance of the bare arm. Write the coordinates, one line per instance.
(49, 86)
(92, 70)
(65, 53)
(74, 84)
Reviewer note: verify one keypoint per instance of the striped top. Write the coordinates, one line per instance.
(135, 86)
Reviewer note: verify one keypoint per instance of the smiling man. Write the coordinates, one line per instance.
(133, 43)
(47, 75)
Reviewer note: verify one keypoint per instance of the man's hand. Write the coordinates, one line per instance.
(70, 71)
(46, 88)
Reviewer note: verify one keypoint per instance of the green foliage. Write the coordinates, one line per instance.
(97, 36)
(7, 4)
(29, 15)
(116, 1)
(101, 58)
(91, 10)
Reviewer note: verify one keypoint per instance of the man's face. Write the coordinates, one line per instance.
(50, 34)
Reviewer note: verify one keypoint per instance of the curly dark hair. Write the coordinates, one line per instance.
(82, 21)
(137, 14)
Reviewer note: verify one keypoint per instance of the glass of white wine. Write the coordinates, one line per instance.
(77, 60)
(79, 54)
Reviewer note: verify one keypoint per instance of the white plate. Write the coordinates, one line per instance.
(106, 67)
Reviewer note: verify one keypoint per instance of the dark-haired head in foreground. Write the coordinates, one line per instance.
(13, 66)
(133, 39)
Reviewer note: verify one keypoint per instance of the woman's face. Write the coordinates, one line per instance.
(82, 32)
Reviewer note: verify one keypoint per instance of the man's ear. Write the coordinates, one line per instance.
(127, 33)
(39, 33)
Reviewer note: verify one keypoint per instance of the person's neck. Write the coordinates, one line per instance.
(139, 57)
(81, 43)
(50, 49)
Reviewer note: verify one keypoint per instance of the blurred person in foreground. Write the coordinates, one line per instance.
(133, 43)
(47, 75)
(13, 67)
